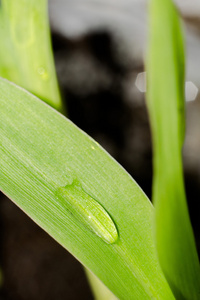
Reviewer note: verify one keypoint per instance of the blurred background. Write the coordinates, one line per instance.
(99, 48)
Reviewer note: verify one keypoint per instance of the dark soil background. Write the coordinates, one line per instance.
(97, 86)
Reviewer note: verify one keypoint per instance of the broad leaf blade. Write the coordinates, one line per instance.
(165, 72)
(41, 151)
(25, 51)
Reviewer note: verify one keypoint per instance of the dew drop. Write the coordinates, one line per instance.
(42, 72)
(88, 211)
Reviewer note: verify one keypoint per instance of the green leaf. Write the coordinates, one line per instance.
(42, 154)
(165, 72)
(100, 291)
(25, 51)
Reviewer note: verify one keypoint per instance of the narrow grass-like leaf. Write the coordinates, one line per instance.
(165, 71)
(100, 291)
(42, 152)
(7, 59)
(25, 50)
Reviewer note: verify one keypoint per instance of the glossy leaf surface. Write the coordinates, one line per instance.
(40, 152)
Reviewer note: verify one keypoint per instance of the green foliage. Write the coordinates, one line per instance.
(99, 289)
(40, 153)
(165, 71)
(73, 189)
(25, 50)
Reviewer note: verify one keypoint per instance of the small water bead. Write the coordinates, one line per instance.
(43, 73)
(88, 211)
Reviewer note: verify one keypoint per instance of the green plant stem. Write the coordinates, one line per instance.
(165, 72)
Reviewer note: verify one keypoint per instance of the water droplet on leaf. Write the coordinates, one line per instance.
(88, 211)
(43, 73)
